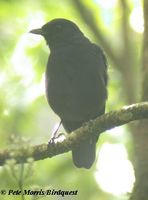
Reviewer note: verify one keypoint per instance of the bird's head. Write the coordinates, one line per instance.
(58, 31)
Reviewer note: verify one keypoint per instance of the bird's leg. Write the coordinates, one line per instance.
(55, 131)
(54, 136)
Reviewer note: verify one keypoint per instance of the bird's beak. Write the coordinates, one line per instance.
(38, 31)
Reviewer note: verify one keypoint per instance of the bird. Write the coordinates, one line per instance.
(75, 81)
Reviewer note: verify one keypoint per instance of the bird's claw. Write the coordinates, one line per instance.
(60, 138)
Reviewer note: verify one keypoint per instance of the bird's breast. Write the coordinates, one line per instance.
(73, 87)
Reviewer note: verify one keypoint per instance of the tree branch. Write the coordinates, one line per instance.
(140, 190)
(125, 26)
(145, 54)
(92, 128)
(127, 66)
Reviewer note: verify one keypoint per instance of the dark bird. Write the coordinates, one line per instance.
(75, 80)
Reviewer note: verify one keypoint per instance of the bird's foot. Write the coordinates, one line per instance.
(60, 138)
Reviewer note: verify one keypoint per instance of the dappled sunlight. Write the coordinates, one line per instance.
(36, 20)
(3, 77)
(114, 172)
(22, 64)
(136, 19)
(117, 131)
(107, 3)
(35, 91)
(6, 112)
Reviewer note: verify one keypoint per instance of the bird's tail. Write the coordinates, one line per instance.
(84, 154)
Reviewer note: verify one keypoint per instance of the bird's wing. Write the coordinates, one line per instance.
(79, 76)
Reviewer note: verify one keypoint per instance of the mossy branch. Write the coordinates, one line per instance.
(95, 127)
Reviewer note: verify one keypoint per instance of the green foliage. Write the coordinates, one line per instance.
(23, 107)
